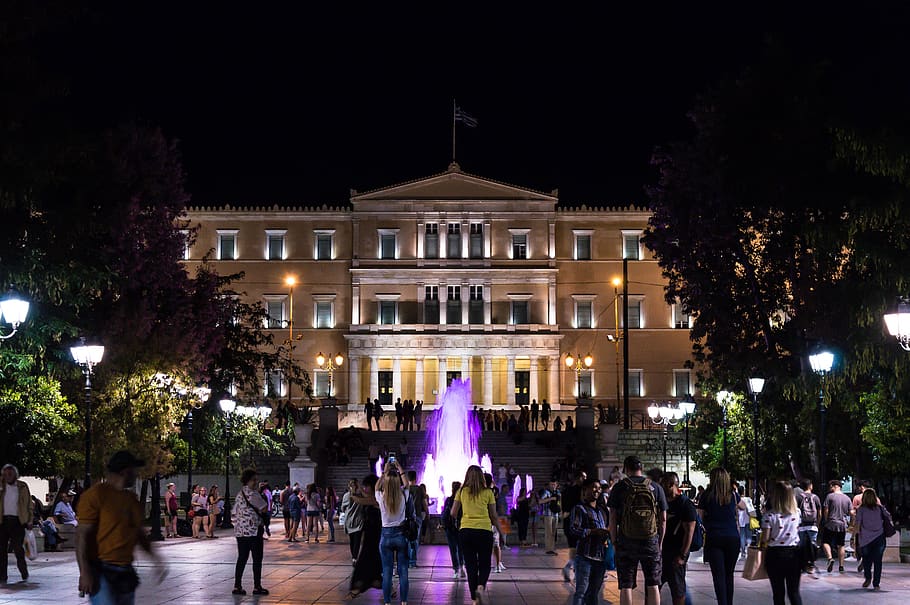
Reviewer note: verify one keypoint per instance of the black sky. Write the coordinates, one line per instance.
(274, 105)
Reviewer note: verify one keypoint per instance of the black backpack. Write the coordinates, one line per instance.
(639, 511)
(448, 521)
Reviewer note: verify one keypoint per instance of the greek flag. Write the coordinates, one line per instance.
(465, 118)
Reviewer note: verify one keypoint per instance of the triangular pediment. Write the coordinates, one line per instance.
(452, 185)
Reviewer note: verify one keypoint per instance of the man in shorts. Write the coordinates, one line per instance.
(630, 552)
(836, 518)
(680, 529)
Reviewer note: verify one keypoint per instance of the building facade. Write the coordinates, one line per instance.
(457, 276)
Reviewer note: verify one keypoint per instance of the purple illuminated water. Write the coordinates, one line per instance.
(452, 436)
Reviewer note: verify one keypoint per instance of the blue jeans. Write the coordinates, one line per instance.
(872, 559)
(589, 578)
(107, 596)
(414, 546)
(745, 538)
(390, 542)
(454, 549)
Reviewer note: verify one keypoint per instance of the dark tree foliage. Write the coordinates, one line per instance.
(782, 224)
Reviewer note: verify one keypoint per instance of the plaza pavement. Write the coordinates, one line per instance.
(201, 572)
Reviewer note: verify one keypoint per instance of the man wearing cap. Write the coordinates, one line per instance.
(15, 510)
(110, 528)
(64, 512)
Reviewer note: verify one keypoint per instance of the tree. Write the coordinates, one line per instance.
(782, 224)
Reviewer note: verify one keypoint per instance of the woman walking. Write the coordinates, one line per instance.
(249, 506)
(295, 509)
(313, 502)
(331, 503)
(368, 564)
(718, 513)
(870, 529)
(392, 506)
(780, 532)
(474, 501)
(450, 524)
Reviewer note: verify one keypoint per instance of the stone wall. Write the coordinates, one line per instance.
(648, 445)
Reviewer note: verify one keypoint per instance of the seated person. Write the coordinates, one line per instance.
(64, 512)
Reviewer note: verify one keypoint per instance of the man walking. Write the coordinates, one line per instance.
(353, 518)
(571, 497)
(638, 516)
(809, 514)
(535, 414)
(678, 539)
(836, 516)
(545, 415)
(368, 410)
(588, 527)
(549, 510)
(110, 526)
(15, 510)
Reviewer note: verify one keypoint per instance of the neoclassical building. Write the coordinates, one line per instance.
(456, 275)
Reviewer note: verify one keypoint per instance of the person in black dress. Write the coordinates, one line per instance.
(368, 569)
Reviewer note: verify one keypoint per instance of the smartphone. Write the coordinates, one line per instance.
(392, 457)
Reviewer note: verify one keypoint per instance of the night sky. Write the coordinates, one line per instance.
(273, 105)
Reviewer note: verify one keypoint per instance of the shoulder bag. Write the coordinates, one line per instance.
(887, 524)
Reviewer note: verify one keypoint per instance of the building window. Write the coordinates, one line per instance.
(325, 244)
(453, 242)
(320, 383)
(682, 381)
(431, 305)
(475, 310)
(227, 244)
(582, 244)
(388, 312)
(274, 244)
(431, 241)
(387, 246)
(635, 319)
(274, 384)
(585, 382)
(520, 245)
(453, 305)
(681, 319)
(631, 248)
(325, 314)
(276, 311)
(520, 312)
(635, 389)
(476, 240)
(583, 313)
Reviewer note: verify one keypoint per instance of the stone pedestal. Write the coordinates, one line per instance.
(609, 437)
(584, 416)
(328, 417)
(302, 471)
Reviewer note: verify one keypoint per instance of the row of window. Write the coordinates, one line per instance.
(519, 310)
(433, 247)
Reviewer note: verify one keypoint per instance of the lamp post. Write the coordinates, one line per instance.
(290, 281)
(898, 323)
(724, 398)
(668, 415)
(579, 364)
(227, 406)
(330, 364)
(822, 362)
(13, 310)
(756, 385)
(687, 405)
(87, 357)
(200, 397)
(616, 337)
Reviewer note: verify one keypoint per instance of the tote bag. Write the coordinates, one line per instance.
(754, 568)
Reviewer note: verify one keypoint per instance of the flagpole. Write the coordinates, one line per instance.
(453, 129)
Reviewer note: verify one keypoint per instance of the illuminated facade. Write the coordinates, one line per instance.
(456, 275)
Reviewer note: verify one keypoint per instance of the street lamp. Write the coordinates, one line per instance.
(668, 415)
(725, 398)
(687, 405)
(756, 385)
(579, 364)
(87, 357)
(616, 337)
(822, 362)
(898, 323)
(13, 311)
(290, 281)
(330, 365)
(201, 396)
(227, 406)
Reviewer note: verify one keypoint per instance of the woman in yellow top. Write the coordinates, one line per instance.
(478, 515)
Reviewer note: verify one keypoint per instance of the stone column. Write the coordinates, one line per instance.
(374, 377)
(421, 303)
(421, 231)
(355, 305)
(441, 382)
(487, 246)
(510, 380)
(354, 394)
(465, 367)
(488, 302)
(396, 378)
(487, 380)
(418, 379)
(551, 297)
(465, 303)
(443, 240)
(532, 391)
(465, 240)
(553, 371)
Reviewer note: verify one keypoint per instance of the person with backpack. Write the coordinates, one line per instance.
(680, 540)
(718, 509)
(451, 525)
(638, 517)
(809, 507)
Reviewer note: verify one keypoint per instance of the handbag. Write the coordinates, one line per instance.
(754, 567)
(887, 524)
(754, 523)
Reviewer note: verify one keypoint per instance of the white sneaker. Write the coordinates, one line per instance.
(455, 575)
(502, 567)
